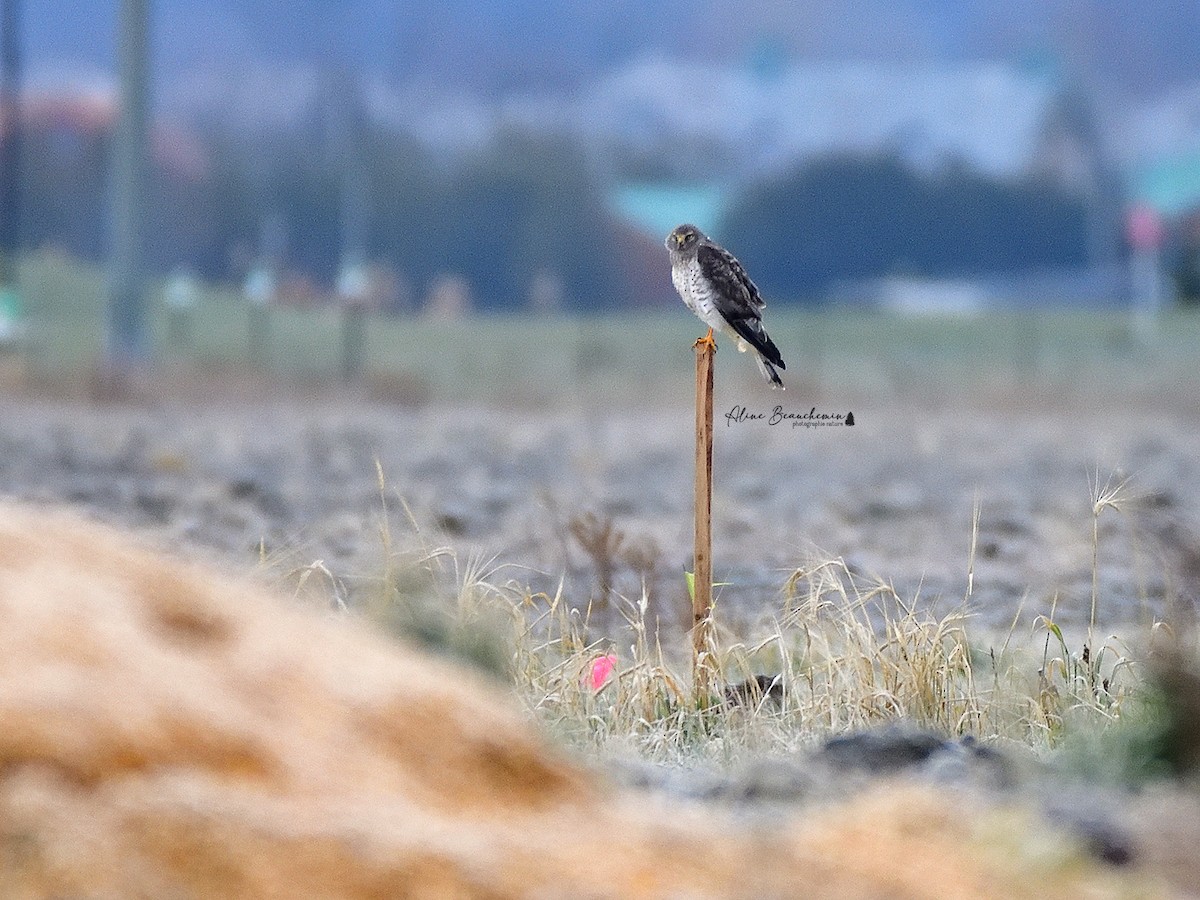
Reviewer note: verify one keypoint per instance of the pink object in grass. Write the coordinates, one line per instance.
(601, 669)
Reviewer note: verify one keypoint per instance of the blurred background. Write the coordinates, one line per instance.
(316, 189)
(363, 257)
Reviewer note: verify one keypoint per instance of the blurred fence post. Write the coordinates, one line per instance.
(1146, 276)
(1027, 331)
(10, 161)
(353, 290)
(180, 297)
(702, 668)
(354, 340)
(127, 332)
(1145, 232)
(260, 294)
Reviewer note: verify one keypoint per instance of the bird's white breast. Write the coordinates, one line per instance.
(696, 291)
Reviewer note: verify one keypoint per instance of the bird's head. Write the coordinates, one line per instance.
(684, 238)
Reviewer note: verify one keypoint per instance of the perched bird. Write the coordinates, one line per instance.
(716, 288)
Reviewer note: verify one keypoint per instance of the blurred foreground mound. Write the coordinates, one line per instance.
(165, 731)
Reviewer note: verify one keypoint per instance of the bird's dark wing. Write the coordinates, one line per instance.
(737, 299)
(722, 269)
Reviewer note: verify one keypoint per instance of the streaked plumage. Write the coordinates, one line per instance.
(716, 288)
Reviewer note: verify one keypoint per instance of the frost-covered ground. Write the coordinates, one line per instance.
(893, 495)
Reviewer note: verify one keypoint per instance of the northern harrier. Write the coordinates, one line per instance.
(717, 289)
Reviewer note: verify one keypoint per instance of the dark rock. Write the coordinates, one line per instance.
(771, 781)
(244, 487)
(885, 750)
(256, 489)
(1161, 499)
(901, 498)
(1007, 526)
(1102, 836)
(967, 761)
(454, 524)
(157, 505)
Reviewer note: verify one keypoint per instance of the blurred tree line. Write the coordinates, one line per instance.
(524, 204)
(851, 217)
(496, 217)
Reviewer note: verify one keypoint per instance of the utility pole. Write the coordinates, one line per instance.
(349, 155)
(10, 154)
(126, 301)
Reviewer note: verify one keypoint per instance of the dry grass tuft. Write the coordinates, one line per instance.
(848, 651)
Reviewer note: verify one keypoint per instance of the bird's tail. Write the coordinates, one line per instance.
(769, 372)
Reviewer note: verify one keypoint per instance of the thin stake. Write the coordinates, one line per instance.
(702, 582)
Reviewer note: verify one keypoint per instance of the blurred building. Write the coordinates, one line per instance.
(883, 157)
(1161, 144)
(1162, 151)
(671, 160)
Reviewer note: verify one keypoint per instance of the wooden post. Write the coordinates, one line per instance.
(702, 582)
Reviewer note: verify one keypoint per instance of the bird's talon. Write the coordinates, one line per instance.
(706, 341)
